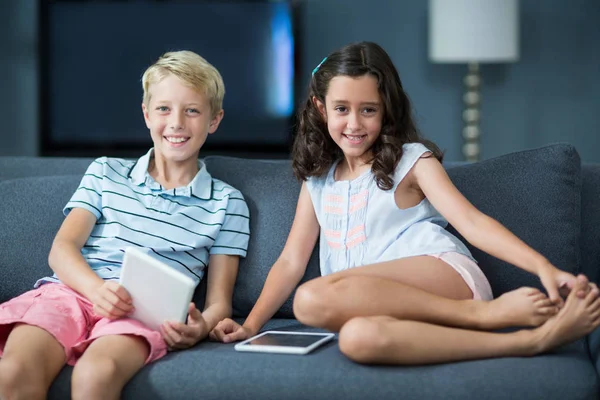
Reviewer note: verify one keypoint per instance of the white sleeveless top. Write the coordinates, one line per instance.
(361, 224)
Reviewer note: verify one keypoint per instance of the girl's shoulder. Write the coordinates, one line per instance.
(318, 182)
(411, 152)
(414, 148)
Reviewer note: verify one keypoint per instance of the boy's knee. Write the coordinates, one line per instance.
(363, 339)
(16, 382)
(9, 379)
(91, 376)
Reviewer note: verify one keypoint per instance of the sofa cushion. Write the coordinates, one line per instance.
(590, 240)
(590, 218)
(216, 371)
(30, 215)
(271, 192)
(536, 195)
(12, 167)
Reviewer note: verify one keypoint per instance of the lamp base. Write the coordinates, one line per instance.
(471, 115)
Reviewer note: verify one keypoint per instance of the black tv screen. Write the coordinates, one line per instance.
(95, 52)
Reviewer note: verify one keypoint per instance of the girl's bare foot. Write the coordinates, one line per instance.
(577, 318)
(523, 307)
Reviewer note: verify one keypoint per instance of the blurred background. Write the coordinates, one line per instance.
(70, 71)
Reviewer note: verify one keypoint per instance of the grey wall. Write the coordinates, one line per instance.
(550, 95)
(18, 77)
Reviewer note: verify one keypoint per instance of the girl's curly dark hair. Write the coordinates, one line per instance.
(314, 151)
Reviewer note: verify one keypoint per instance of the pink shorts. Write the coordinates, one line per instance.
(70, 318)
(470, 272)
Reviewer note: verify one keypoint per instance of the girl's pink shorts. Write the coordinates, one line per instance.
(70, 318)
(470, 272)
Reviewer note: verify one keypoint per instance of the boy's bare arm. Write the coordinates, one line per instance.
(221, 276)
(109, 298)
(291, 265)
(222, 273)
(283, 277)
(65, 257)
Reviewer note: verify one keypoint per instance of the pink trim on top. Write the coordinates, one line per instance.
(355, 230)
(355, 242)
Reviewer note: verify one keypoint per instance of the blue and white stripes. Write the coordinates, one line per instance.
(180, 227)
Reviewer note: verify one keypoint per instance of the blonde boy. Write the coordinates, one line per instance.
(166, 203)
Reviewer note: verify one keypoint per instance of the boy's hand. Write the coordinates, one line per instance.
(182, 336)
(228, 331)
(111, 300)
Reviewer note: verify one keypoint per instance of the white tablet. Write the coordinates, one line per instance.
(159, 292)
(284, 342)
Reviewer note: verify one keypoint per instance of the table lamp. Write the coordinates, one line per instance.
(473, 32)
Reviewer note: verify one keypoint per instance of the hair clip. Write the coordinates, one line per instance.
(318, 66)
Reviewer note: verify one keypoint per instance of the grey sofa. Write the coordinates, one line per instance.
(543, 195)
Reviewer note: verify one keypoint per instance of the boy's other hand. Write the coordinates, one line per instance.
(180, 336)
(228, 331)
(111, 300)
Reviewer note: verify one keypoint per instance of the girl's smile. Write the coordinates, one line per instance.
(353, 113)
(355, 139)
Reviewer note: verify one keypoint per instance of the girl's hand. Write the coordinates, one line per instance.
(228, 331)
(111, 300)
(182, 336)
(558, 284)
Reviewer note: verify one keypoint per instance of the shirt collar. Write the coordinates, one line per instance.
(200, 186)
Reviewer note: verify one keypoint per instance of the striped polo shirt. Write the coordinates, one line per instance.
(180, 226)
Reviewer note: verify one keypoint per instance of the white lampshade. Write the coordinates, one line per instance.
(463, 31)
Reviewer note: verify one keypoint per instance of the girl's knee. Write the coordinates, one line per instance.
(364, 339)
(310, 303)
(304, 299)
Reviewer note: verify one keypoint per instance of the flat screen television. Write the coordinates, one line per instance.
(93, 55)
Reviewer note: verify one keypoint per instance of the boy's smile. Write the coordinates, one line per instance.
(176, 140)
(179, 119)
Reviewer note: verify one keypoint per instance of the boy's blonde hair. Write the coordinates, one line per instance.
(192, 69)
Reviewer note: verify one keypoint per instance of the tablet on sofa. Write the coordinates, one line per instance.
(284, 342)
(159, 292)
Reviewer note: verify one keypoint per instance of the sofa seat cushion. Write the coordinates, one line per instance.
(217, 371)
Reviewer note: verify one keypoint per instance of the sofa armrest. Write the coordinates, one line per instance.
(593, 342)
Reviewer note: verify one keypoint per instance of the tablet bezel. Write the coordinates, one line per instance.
(152, 309)
(259, 348)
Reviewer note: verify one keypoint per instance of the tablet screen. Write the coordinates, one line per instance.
(288, 340)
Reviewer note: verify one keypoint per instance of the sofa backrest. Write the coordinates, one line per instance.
(535, 193)
(590, 221)
(13, 167)
(271, 192)
(30, 215)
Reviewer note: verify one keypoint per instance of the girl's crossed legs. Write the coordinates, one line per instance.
(420, 310)
(46, 328)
